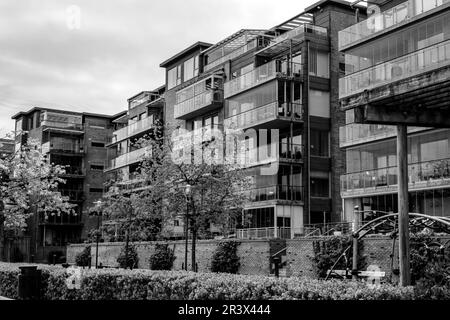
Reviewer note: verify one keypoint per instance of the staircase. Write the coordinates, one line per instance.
(278, 251)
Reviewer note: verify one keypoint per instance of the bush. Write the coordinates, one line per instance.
(129, 260)
(83, 259)
(225, 258)
(162, 258)
(328, 250)
(120, 284)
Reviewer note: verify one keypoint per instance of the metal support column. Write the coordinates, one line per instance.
(403, 206)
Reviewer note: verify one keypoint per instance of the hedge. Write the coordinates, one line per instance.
(139, 284)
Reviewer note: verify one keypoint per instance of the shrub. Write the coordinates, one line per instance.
(83, 259)
(328, 250)
(225, 258)
(120, 284)
(162, 258)
(130, 259)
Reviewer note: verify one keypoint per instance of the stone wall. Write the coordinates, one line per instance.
(254, 254)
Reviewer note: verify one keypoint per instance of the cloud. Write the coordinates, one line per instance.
(117, 50)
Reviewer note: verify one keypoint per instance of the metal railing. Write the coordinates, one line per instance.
(128, 158)
(436, 172)
(198, 102)
(390, 18)
(415, 63)
(263, 114)
(261, 75)
(264, 233)
(62, 125)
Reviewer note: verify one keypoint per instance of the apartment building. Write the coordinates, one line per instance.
(280, 86)
(78, 141)
(397, 70)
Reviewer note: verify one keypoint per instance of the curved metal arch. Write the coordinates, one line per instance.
(391, 225)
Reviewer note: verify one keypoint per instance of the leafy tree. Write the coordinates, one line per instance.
(128, 257)
(83, 259)
(215, 196)
(225, 258)
(162, 258)
(29, 184)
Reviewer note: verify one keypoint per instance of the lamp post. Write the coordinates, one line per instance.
(356, 213)
(187, 192)
(97, 212)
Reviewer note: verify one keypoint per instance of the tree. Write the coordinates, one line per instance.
(29, 185)
(216, 196)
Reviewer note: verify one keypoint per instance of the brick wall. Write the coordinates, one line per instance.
(254, 255)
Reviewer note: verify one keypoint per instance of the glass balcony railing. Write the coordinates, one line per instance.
(261, 75)
(62, 147)
(269, 112)
(354, 133)
(387, 19)
(74, 195)
(198, 102)
(420, 174)
(418, 62)
(133, 129)
(62, 125)
(291, 151)
(128, 158)
(277, 192)
(264, 233)
(258, 42)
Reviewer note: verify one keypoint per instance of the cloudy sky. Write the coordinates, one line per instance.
(49, 57)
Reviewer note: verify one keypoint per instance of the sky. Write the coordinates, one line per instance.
(92, 55)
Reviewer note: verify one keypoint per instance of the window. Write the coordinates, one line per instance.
(97, 167)
(174, 77)
(319, 63)
(319, 103)
(320, 187)
(95, 190)
(319, 143)
(190, 68)
(98, 144)
(176, 223)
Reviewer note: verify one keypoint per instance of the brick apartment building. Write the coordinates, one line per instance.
(76, 140)
(397, 63)
(283, 78)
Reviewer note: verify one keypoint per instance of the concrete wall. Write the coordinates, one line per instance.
(254, 255)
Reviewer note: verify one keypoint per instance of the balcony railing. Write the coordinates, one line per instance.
(415, 63)
(62, 147)
(279, 44)
(128, 158)
(63, 125)
(355, 133)
(264, 114)
(264, 233)
(74, 171)
(74, 195)
(194, 98)
(258, 42)
(261, 75)
(395, 16)
(133, 129)
(422, 174)
(277, 192)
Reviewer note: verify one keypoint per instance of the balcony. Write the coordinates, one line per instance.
(265, 114)
(292, 37)
(203, 96)
(260, 75)
(256, 43)
(145, 97)
(133, 129)
(355, 133)
(75, 171)
(128, 158)
(416, 63)
(62, 219)
(276, 192)
(60, 147)
(75, 128)
(388, 20)
(421, 175)
(74, 195)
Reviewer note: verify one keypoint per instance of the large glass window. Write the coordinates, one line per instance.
(397, 44)
(190, 68)
(319, 63)
(174, 77)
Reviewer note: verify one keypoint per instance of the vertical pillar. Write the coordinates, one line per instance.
(403, 206)
(356, 225)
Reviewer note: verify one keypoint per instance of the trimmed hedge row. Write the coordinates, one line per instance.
(113, 284)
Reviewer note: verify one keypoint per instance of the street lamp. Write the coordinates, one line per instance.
(187, 192)
(97, 212)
